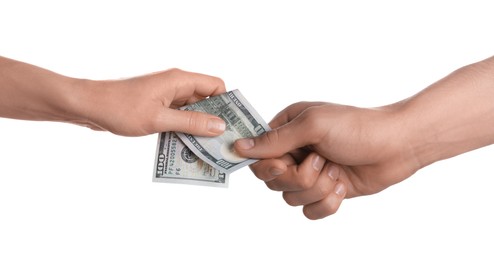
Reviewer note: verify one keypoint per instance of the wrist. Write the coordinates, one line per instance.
(81, 101)
(398, 131)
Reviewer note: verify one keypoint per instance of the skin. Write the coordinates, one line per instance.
(131, 107)
(320, 153)
(340, 151)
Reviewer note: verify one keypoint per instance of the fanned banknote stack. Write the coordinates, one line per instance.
(188, 159)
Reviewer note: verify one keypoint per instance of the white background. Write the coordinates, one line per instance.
(67, 192)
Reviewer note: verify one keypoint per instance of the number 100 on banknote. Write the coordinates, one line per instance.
(188, 159)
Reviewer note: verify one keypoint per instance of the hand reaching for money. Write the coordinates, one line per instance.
(320, 153)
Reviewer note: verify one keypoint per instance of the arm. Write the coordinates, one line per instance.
(131, 107)
(320, 153)
(453, 116)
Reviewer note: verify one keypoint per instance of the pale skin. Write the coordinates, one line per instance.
(131, 107)
(318, 153)
(321, 153)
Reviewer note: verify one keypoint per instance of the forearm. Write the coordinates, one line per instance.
(453, 116)
(32, 93)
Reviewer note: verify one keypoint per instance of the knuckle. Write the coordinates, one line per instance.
(194, 121)
(330, 209)
(297, 105)
(327, 207)
(310, 214)
(323, 191)
(173, 74)
(311, 118)
(263, 176)
(272, 185)
(272, 137)
(304, 182)
(174, 71)
(330, 206)
(290, 200)
(219, 82)
(257, 168)
(261, 170)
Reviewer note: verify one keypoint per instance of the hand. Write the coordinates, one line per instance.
(131, 107)
(368, 150)
(320, 153)
(147, 104)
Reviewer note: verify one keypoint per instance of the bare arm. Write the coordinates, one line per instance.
(132, 107)
(452, 116)
(32, 93)
(320, 153)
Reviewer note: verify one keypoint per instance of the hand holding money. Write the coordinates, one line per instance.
(209, 160)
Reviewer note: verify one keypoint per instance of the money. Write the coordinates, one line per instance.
(242, 121)
(175, 163)
(188, 159)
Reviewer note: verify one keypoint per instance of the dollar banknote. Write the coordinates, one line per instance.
(242, 121)
(176, 163)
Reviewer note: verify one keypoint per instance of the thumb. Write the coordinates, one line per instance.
(274, 143)
(193, 122)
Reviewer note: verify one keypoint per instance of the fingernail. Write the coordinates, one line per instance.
(216, 126)
(245, 144)
(333, 172)
(317, 163)
(339, 189)
(275, 171)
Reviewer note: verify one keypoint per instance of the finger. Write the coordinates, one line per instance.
(296, 156)
(192, 122)
(291, 112)
(295, 134)
(196, 85)
(328, 205)
(286, 125)
(324, 185)
(269, 169)
(299, 177)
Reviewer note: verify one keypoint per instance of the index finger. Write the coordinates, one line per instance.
(200, 85)
(291, 112)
